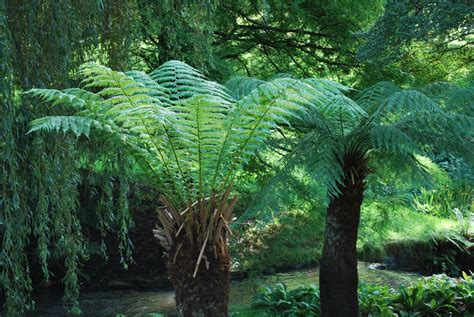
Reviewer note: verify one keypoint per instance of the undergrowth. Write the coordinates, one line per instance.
(437, 295)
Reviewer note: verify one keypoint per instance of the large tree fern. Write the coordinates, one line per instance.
(189, 135)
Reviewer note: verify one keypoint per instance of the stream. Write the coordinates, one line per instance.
(144, 303)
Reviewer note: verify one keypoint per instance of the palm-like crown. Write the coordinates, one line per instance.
(186, 131)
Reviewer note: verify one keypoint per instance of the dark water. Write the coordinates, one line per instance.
(145, 303)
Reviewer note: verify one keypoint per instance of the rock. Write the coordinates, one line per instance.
(377, 266)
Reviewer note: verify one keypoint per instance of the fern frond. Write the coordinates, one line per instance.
(437, 89)
(242, 86)
(391, 139)
(457, 100)
(155, 89)
(272, 103)
(405, 103)
(370, 99)
(75, 124)
(252, 120)
(126, 100)
(58, 97)
(183, 81)
(83, 94)
(197, 135)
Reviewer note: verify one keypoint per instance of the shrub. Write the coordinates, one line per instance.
(438, 295)
(292, 239)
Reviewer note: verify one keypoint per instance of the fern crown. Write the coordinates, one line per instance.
(189, 134)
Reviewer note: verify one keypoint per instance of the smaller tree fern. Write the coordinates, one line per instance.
(343, 138)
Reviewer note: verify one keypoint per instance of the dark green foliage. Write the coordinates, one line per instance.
(40, 177)
(180, 30)
(79, 27)
(403, 22)
(420, 42)
(40, 174)
(438, 295)
(15, 226)
(261, 38)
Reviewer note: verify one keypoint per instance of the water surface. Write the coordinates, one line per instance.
(144, 303)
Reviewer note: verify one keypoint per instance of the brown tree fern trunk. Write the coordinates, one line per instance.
(207, 294)
(338, 272)
(198, 254)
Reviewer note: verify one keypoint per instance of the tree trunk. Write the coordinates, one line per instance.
(338, 272)
(198, 254)
(207, 294)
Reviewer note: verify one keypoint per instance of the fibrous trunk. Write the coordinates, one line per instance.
(198, 254)
(338, 272)
(206, 294)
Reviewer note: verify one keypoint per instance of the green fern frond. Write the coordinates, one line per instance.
(155, 89)
(183, 82)
(198, 134)
(370, 99)
(75, 124)
(457, 100)
(57, 97)
(407, 102)
(254, 117)
(126, 100)
(242, 86)
(83, 94)
(391, 139)
(437, 89)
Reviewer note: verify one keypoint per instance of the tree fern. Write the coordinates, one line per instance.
(342, 140)
(242, 86)
(75, 124)
(188, 134)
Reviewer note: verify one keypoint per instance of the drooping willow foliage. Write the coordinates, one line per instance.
(13, 263)
(39, 199)
(41, 173)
